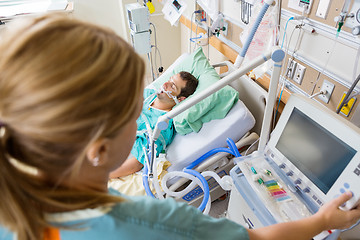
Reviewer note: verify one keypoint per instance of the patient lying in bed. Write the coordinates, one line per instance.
(156, 104)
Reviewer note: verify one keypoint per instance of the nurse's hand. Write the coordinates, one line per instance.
(334, 218)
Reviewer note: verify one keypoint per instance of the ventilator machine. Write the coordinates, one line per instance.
(313, 156)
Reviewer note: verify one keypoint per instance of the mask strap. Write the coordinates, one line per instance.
(170, 95)
(173, 97)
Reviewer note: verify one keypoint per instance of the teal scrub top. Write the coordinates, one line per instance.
(150, 115)
(142, 218)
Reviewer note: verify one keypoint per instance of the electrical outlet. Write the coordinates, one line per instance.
(299, 73)
(290, 70)
(329, 88)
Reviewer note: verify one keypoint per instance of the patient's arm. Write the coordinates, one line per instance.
(131, 165)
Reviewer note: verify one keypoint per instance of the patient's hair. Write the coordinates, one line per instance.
(191, 84)
(63, 85)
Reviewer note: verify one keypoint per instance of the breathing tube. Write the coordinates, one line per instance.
(169, 94)
(196, 177)
(199, 178)
(152, 174)
(145, 177)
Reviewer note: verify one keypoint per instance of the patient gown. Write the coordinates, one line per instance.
(150, 115)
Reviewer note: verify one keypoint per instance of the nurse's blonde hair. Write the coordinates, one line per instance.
(63, 85)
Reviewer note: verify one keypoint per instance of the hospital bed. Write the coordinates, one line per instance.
(235, 122)
(238, 124)
(219, 118)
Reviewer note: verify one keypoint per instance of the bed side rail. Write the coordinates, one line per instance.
(248, 140)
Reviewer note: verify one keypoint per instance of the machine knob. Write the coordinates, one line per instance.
(298, 181)
(356, 30)
(282, 165)
(290, 173)
(307, 190)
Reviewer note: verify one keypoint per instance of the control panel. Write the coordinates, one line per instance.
(278, 196)
(347, 181)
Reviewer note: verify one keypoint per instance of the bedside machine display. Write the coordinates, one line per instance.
(313, 156)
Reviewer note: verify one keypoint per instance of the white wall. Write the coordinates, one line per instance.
(105, 13)
(168, 37)
(111, 13)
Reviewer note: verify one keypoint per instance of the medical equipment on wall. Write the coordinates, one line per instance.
(344, 14)
(303, 6)
(173, 10)
(218, 25)
(159, 69)
(211, 7)
(201, 39)
(246, 10)
(139, 25)
(140, 33)
(313, 156)
(200, 16)
(277, 56)
(354, 22)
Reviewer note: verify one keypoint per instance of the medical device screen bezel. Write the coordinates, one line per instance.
(339, 127)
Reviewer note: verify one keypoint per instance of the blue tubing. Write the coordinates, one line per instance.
(282, 44)
(233, 147)
(146, 186)
(254, 29)
(152, 156)
(233, 150)
(205, 184)
(145, 180)
(206, 155)
(194, 38)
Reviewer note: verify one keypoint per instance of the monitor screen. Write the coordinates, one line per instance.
(315, 151)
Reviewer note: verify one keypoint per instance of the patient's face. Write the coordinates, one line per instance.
(174, 85)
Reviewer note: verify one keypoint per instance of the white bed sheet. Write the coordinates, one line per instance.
(187, 148)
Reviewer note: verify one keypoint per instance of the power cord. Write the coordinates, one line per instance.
(322, 92)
